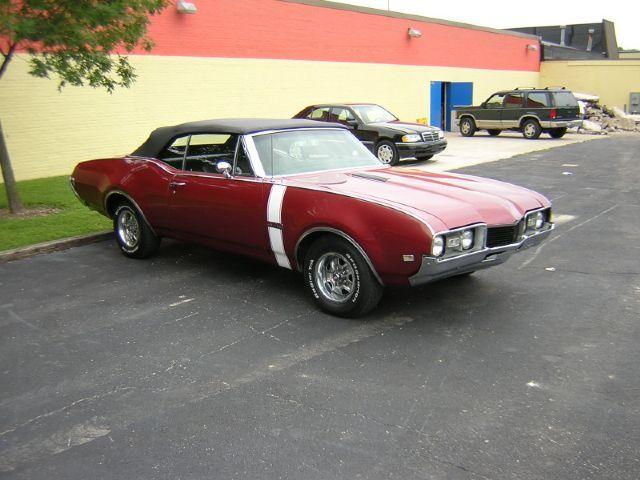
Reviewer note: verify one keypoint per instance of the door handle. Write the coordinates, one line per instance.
(175, 185)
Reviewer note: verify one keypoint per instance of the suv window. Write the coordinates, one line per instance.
(495, 101)
(321, 114)
(514, 100)
(565, 99)
(537, 100)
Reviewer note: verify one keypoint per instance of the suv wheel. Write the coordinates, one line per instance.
(494, 133)
(339, 278)
(387, 152)
(557, 132)
(467, 127)
(531, 129)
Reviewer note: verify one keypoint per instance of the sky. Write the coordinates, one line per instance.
(504, 14)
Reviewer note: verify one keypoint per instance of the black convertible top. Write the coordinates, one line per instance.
(163, 135)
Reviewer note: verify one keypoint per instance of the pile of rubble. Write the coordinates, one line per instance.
(601, 120)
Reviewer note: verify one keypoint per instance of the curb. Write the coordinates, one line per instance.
(53, 246)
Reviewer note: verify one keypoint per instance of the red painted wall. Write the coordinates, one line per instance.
(282, 30)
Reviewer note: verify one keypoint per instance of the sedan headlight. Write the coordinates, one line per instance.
(411, 138)
(467, 239)
(437, 246)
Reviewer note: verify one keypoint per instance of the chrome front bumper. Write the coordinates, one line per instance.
(436, 269)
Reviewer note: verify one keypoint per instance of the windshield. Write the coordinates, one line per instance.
(304, 151)
(373, 113)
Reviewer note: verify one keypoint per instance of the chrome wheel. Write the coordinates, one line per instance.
(465, 128)
(335, 277)
(128, 228)
(385, 153)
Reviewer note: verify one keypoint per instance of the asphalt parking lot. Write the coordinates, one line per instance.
(198, 364)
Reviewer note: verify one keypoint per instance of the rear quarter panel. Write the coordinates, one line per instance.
(144, 180)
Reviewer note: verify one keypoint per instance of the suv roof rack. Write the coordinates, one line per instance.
(553, 87)
(526, 88)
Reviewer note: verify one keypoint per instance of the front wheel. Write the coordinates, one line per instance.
(387, 153)
(339, 278)
(135, 238)
(531, 129)
(467, 127)
(557, 132)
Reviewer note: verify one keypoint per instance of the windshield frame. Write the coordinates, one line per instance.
(258, 168)
(354, 108)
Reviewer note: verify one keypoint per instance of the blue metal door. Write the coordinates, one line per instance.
(435, 112)
(458, 94)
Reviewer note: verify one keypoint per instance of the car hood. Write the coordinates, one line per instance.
(405, 127)
(455, 200)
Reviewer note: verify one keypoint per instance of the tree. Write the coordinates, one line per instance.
(78, 41)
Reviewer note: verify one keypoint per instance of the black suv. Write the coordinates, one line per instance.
(530, 111)
(380, 131)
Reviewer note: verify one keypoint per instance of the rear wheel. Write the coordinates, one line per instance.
(494, 132)
(557, 132)
(387, 153)
(467, 127)
(135, 238)
(339, 278)
(531, 129)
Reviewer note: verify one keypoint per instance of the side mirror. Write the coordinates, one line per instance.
(224, 168)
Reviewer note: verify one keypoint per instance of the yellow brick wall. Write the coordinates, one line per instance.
(611, 80)
(48, 132)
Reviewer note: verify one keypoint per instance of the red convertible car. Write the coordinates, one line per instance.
(309, 196)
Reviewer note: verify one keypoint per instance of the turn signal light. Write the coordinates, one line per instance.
(553, 114)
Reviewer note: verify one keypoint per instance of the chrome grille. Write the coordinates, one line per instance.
(430, 136)
(501, 236)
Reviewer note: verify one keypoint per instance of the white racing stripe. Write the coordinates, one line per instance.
(274, 215)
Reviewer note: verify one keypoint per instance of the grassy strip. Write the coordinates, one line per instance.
(72, 219)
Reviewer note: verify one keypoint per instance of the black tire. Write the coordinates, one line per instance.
(355, 292)
(424, 158)
(468, 127)
(387, 152)
(557, 132)
(531, 129)
(494, 132)
(134, 237)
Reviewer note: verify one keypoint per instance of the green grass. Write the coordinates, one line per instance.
(72, 219)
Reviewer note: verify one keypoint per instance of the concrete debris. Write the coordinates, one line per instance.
(601, 120)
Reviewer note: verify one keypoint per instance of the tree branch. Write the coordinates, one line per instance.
(7, 57)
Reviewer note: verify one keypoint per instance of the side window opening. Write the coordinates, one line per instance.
(200, 152)
(321, 114)
(495, 101)
(537, 100)
(514, 100)
(242, 167)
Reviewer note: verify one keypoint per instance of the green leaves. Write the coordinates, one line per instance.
(78, 41)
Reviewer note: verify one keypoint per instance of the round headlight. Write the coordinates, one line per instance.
(539, 220)
(437, 246)
(467, 239)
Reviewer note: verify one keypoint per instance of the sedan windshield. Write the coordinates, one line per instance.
(304, 151)
(373, 114)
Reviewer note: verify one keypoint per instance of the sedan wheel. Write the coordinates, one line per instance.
(339, 278)
(387, 153)
(135, 238)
